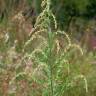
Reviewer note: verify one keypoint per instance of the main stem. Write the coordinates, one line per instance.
(50, 41)
(50, 61)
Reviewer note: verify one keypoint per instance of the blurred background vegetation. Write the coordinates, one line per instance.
(64, 10)
(75, 17)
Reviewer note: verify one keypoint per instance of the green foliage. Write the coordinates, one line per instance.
(74, 8)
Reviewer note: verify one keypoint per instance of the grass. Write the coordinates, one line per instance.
(47, 63)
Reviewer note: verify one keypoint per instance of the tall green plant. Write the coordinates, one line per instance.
(52, 67)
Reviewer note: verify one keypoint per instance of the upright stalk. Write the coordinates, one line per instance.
(50, 61)
(50, 41)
